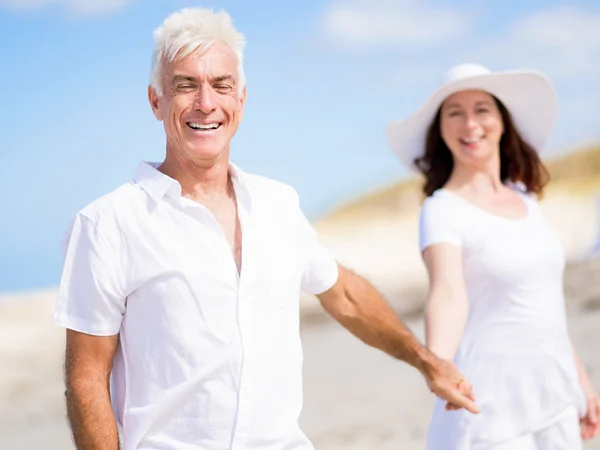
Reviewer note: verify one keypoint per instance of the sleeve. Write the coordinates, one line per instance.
(436, 225)
(320, 271)
(91, 297)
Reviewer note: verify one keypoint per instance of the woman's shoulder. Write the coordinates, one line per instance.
(441, 201)
(442, 220)
(444, 208)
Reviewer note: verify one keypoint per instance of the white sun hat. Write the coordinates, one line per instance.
(528, 95)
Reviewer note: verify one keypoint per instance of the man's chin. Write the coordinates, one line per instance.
(205, 152)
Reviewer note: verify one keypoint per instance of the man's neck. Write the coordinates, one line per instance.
(199, 180)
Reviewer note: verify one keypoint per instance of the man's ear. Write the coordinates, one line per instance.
(154, 100)
(242, 101)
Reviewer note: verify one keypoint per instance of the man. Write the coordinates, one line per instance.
(183, 284)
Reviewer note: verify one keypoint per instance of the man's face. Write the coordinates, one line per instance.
(201, 106)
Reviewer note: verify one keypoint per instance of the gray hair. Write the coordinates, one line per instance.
(186, 30)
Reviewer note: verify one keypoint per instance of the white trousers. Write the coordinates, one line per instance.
(563, 433)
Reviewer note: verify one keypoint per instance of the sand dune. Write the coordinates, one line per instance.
(376, 234)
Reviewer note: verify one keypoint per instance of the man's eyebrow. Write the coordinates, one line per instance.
(222, 78)
(180, 78)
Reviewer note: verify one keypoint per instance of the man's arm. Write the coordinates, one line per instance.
(360, 308)
(88, 363)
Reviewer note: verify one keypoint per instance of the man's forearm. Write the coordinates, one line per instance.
(91, 418)
(367, 315)
(359, 307)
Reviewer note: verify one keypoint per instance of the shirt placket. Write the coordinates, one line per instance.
(245, 409)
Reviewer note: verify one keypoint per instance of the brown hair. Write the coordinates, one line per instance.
(519, 162)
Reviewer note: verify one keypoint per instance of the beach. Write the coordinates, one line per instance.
(356, 398)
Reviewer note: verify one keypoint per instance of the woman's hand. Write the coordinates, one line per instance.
(590, 424)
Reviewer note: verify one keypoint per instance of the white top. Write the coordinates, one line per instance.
(206, 359)
(515, 349)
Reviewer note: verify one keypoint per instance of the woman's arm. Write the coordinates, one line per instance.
(447, 306)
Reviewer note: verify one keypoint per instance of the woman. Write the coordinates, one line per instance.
(496, 304)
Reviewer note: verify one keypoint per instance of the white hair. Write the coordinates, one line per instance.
(186, 30)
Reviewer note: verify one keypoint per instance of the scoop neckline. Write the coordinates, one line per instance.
(489, 213)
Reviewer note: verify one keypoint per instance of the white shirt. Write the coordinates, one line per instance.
(206, 359)
(515, 348)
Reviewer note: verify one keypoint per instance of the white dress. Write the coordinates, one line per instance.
(515, 349)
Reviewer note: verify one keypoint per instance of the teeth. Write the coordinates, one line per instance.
(471, 140)
(204, 126)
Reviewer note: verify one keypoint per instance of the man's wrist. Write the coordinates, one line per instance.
(425, 361)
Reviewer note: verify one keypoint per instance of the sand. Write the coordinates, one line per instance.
(356, 398)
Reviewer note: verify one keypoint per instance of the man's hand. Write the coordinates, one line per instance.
(445, 381)
(361, 309)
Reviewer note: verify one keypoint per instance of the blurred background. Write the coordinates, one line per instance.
(324, 78)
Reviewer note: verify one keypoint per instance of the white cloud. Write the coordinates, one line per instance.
(74, 7)
(391, 22)
(563, 28)
(564, 42)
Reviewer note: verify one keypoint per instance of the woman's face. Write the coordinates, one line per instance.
(471, 126)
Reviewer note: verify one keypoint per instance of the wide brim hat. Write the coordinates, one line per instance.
(528, 95)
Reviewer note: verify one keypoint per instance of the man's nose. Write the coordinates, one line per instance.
(204, 100)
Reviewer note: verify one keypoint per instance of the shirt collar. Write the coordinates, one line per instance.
(155, 183)
(158, 185)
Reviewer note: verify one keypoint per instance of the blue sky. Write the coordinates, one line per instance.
(324, 77)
